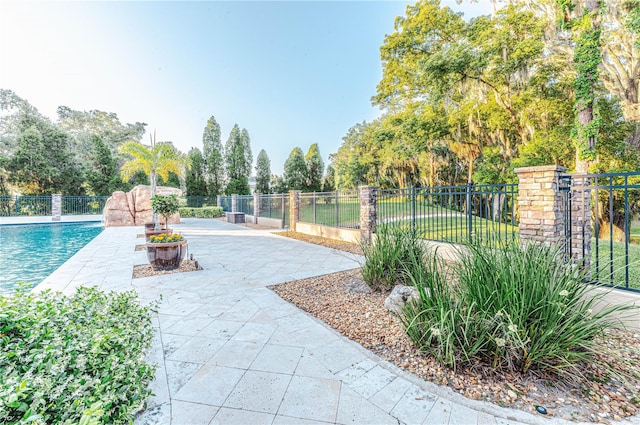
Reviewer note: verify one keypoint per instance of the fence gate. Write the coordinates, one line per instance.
(602, 228)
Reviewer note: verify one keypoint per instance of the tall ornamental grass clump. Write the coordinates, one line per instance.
(516, 307)
(386, 254)
(73, 359)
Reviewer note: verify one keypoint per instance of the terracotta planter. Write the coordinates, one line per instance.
(148, 233)
(166, 256)
(150, 225)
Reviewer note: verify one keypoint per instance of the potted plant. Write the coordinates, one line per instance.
(165, 206)
(166, 251)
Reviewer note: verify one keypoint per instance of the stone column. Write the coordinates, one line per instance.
(219, 200)
(234, 203)
(368, 211)
(294, 209)
(580, 220)
(542, 216)
(256, 207)
(56, 207)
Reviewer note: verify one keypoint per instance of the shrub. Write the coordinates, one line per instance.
(64, 358)
(165, 206)
(386, 254)
(519, 308)
(204, 212)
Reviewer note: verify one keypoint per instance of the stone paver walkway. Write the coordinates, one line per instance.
(230, 351)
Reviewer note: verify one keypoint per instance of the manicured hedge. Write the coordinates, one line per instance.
(204, 212)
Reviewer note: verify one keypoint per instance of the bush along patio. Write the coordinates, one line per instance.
(73, 359)
(514, 310)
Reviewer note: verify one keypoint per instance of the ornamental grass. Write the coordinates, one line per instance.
(518, 308)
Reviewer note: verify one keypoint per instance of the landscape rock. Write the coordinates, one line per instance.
(399, 296)
(134, 207)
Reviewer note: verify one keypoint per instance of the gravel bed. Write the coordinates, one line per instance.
(145, 270)
(346, 303)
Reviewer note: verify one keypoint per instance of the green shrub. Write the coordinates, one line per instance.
(385, 255)
(64, 358)
(204, 212)
(519, 308)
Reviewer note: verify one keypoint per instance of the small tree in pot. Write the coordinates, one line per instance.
(165, 206)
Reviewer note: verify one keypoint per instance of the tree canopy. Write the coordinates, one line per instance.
(471, 100)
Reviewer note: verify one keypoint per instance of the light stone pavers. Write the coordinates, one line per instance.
(230, 351)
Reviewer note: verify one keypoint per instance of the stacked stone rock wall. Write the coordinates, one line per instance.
(133, 208)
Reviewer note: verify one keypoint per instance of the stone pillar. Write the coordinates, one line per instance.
(56, 207)
(256, 207)
(234, 203)
(294, 209)
(368, 211)
(542, 216)
(580, 221)
(218, 200)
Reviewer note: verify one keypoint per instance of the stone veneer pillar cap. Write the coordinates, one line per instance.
(540, 168)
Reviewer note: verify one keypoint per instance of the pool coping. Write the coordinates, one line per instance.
(66, 219)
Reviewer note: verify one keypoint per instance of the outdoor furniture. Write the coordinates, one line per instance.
(235, 217)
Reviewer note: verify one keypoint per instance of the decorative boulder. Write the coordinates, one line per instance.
(134, 207)
(400, 295)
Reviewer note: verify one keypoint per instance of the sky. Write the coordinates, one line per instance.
(292, 73)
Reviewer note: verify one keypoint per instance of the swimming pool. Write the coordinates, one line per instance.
(30, 253)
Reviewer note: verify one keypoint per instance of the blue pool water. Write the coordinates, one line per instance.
(29, 253)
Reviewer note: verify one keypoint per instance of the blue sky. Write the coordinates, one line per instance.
(292, 73)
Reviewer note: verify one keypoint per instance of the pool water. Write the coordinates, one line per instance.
(30, 253)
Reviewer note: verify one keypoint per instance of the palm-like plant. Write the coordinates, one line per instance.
(159, 159)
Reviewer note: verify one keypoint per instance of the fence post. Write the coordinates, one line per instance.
(337, 209)
(580, 226)
(256, 207)
(234, 203)
(542, 218)
(315, 210)
(413, 208)
(294, 209)
(469, 212)
(368, 211)
(56, 207)
(284, 211)
(218, 200)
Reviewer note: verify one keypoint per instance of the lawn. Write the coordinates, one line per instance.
(613, 272)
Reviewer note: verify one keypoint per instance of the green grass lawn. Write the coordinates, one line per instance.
(601, 267)
(635, 232)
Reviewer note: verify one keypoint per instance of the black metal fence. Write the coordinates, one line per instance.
(614, 258)
(201, 201)
(481, 213)
(40, 205)
(335, 209)
(225, 203)
(245, 204)
(275, 206)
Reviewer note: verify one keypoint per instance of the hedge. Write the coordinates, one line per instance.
(204, 212)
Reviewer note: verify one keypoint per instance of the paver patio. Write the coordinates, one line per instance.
(230, 351)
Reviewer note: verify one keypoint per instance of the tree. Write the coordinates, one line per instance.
(295, 170)
(159, 159)
(237, 160)
(102, 177)
(587, 58)
(329, 181)
(213, 157)
(278, 185)
(42, 161)
(195, 179)
(315, 168)
(82, 126)
(263, 172)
